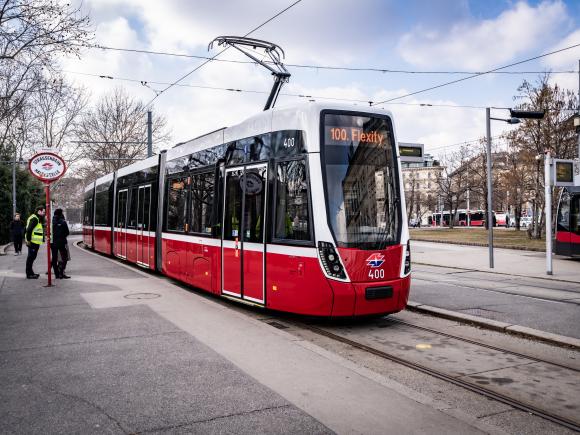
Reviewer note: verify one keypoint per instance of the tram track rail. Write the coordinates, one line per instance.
(452, 379)
(481, 344)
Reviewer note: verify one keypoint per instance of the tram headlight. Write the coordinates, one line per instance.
(408, 258)
(330, 261)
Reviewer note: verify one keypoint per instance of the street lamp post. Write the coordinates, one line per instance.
(515, 116)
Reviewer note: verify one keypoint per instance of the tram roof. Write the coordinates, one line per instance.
(304, 116)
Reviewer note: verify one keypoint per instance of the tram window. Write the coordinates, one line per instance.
(133, 209)
(257, 148)
(254, 189)
(88, 212)
(102, 208)
(235, 153)
(201, 202)
(292, 209)
(233, 205)
(564, 213)
(575, 214)
(176, 204)
(287, 143)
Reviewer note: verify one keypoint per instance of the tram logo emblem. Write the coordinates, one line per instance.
(375, 260)
(48, 166)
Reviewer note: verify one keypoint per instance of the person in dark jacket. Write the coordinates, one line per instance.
(34, 237)
(17, 233)
(58, 246)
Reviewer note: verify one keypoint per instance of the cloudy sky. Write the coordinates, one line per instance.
(412, 35)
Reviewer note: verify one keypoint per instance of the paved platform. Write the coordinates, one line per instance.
(118, 350)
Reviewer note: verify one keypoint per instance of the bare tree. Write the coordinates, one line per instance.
(32, 34)
(453, 182)
(411, 194)
(114, 133)
(534, 137)
(56, 108)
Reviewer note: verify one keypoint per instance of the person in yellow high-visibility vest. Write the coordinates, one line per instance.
(34, 237)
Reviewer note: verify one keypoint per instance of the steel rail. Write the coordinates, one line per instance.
(451, 379)
(480, 344)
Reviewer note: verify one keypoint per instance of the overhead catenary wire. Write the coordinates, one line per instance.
(306, 96)
(382, 70)
(475, 75)
(161, 92)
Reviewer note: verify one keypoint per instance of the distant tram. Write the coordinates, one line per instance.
(568, 223)
(296, 209)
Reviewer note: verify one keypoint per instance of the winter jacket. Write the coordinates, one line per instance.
(59, 232)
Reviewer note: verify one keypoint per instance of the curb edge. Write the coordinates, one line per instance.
(522, 331)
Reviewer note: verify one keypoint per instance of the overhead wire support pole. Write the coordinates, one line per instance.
(489, 188)
(149, 134)
(275, 66)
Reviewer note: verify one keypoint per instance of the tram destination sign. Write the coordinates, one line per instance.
(47, 166)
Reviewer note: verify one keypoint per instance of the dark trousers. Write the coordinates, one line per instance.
(17, 243)
(32, 253)
(59, 259)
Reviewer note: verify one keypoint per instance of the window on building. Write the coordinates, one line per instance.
(202, 189)
(292, 208)
(177, 204)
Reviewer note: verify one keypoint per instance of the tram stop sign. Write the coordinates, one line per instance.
(47, 166)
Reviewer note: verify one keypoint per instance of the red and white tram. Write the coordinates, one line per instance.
(297, 209)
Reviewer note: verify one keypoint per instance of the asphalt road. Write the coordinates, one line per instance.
(544, 304)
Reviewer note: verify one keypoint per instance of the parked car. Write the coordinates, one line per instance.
(525, 221)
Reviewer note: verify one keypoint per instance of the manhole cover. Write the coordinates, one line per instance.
(142, 296)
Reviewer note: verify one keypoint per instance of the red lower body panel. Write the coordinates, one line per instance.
(103, 240)
(88, 236)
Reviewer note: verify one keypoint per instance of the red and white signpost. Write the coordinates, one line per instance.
(47, 167)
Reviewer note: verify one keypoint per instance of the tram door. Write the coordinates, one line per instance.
(143, 224)
(243, 232)
(121, 225)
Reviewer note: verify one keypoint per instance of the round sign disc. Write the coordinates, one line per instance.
(47, 167)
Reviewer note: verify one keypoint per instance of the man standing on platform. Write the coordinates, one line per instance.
(58, 244)
(17, 232)
(34, 238)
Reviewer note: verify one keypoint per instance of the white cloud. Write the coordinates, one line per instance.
(565, 60)
(488, 43)
(320, 31)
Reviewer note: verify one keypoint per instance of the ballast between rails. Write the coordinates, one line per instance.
(297, 209)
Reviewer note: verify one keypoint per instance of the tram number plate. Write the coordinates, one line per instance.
(379, 292)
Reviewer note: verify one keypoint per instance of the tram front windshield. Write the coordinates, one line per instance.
(361, 182)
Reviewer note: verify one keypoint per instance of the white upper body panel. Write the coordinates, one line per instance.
(139, 166)
(104, 179)
(305, 117)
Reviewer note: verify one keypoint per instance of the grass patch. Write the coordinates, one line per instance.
(502, 237)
